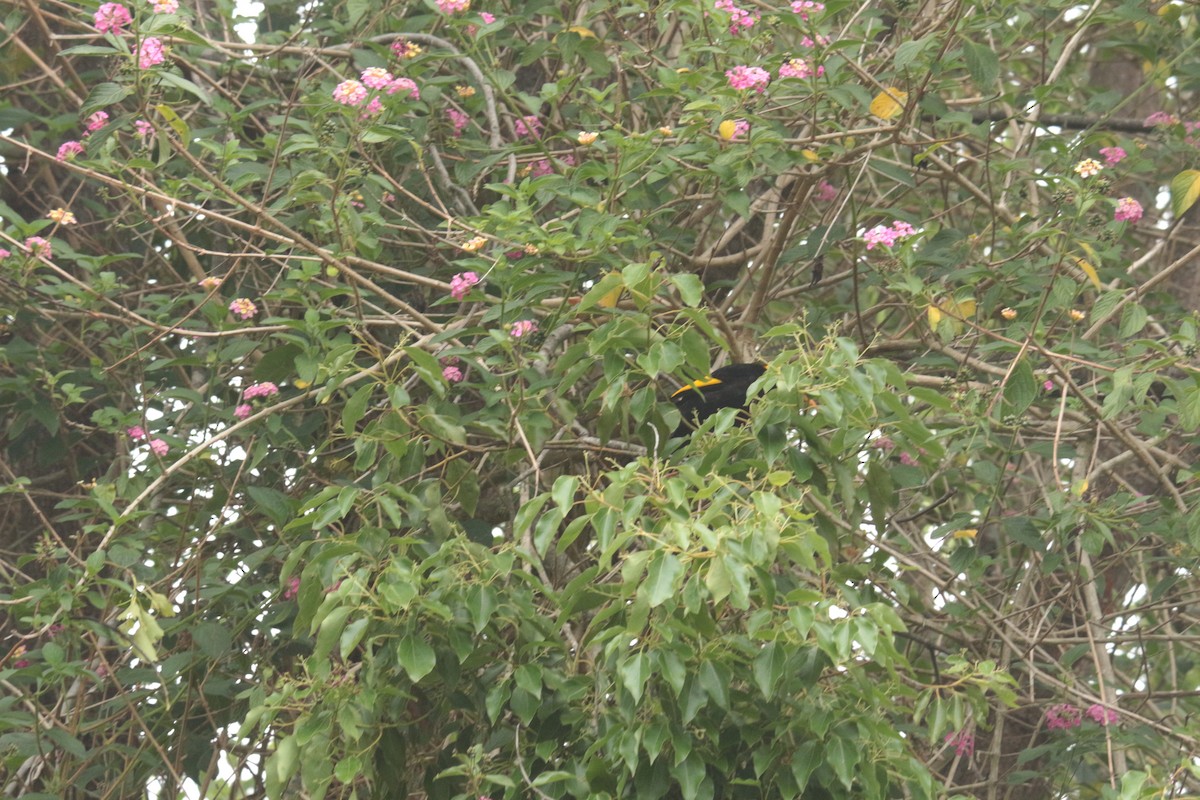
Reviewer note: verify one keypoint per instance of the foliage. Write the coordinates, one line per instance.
(335, 364)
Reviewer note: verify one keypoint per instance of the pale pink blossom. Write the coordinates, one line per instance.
(1102, 715)
(1128, 210)
(887, 236)
(136, 432)
(38, 246)
(68, 150)
(150, 52)
(159, 447)
(5, 253)
(96, 121)
(487, 18)
(1063, 716)
(264, 389)
(528, 127)
(799, 68)
(243, 308)
(522, 327)
(458, 119)
(350, 93)
(739, 18)
(1113, 155)
(165, 6)
(1160, 118)
(242, 411)
(111, 17)
(293, 588)
(404, 85)
(453, 6)
(461, 284)
(376, 77)
(143, 127)
(826, 192)
(210, 283)
(964, 743)
(373, 107)
(803, 7)
(452, 374)
(746, 77)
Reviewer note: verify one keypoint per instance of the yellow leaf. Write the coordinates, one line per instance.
(177, 124)
(1185, 189)
(953, 311)
(581, 31)
(1089, 270)
(935, 316)
(1079, 488)
(726, 129)
(300, 383)
(965, 533)
(810, 155)
(889, 103)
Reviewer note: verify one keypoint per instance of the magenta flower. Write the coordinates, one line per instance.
(1063, 716)
(111, 17)
(461, 283)
(376, 77)
(350, 93)
(373, 107)
(404, 85)
(68, 150)
(528, 127)
(293, 588)
(453, 6)
(242, 411)
(143, 127)
(964, 743)
(1102, 715)
(96, 121)
(1048, 385)
(826, 192)
(264, 389)
(739, 18)
(1113, 155)
(37, 246)
(1160, 118)
(136, 432)
(452, 374)
(1128, 210)
(522, 327)
(159, 447)
(150, 52)
(799, 68)
(744, 77)
(243, 308)
(487, 18)
(458, 119)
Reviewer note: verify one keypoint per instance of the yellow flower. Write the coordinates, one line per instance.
(1008, 313)
(475, 244)
(531, 249)
(665, 130)
(587, 137)
(464, 91)
(1088, 167)
(1076, 315)
(62, 216)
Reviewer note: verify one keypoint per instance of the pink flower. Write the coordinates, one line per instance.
(826, 192)
(159, 447)
(404, 85)
(1113, 155)
(136, 432)
(293, 588)
(1063, 716)
(1128, 210)
(1088, 167)
(907, 459)
(111, 17)
(744, 77)
(964, 743)
(522, 327)
(404, 49)
(242, 411)
(799, 68)
(242, 308)
(461, 283)
(541, 167)
(143, 127)
(96, 121)
(1048, 386)
(741, 129)
(350, 93)
(209, 283)
(150, 52)
(1102, 715)
(376, 77)
(5, 253)
(165, 6)
(453, 6)
(887, 236)
(373, 107)
(807, 41)
(68, 150)
(487, 18)
(452, 374)
(739, 18)
(458, 119)
(38, 246)
(265, 389)
(528, 127)
(884, 443)
(1160, 118)
(803, 7)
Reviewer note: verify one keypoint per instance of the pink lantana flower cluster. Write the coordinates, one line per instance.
(355, 92)
(459, 120)
(165, 6)
(528, 127)
(450, 370)
(453, 6)
(461, 284)
(806, 7)
(402, 49)
(96, 121)
(137, 433)
(243, 308)
(1113, 155)
(255, 391)
(111, 18)
(68, 150)
(746, 77)
(799, 68)
(37, 246)
(826, 192)
(150, 52)
(522, 327)
(739, 18)
(1088, 167)
(1064, 716)
(1128, 210)
(888, 236)
(963, 742)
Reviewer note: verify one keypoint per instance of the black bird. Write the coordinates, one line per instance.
(725, 388)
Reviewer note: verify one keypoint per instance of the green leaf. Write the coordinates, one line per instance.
(180, 82)
(104, 95)
(983, 64)
(662, 578)
(416, 657)
(1020, 389)
(768, 667)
